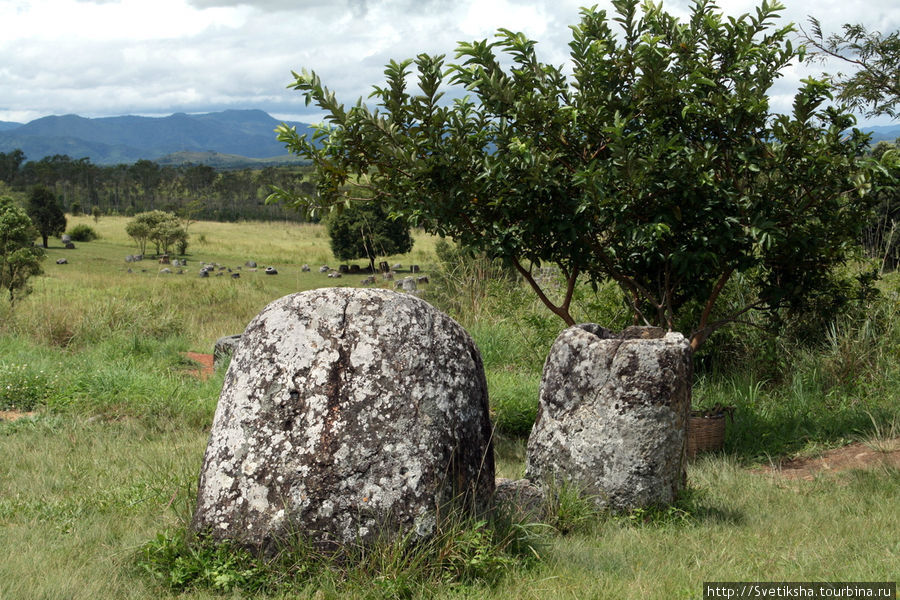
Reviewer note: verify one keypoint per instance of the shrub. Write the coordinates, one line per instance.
(83, 233)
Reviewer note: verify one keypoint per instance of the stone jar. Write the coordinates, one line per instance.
(612, 416)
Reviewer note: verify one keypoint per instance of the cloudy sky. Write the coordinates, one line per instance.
(155, 57)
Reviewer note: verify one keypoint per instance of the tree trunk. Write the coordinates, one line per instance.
(44, 237)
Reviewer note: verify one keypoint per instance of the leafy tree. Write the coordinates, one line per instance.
(19, 259)
(46, 213)
(139, 231)
(364, 230)
(875, 85)
(160, 227)
(657, 164)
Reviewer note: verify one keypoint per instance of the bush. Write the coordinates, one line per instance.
(83, 233)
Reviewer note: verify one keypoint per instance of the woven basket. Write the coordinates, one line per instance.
(705, 434)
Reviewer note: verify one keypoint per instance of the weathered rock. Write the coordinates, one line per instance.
(613, 414)
(305, 268)
(396, 267)
(271, 271)
(370, 280)
(61, 261)
(422, 279)
(204, 273)
(346, 414)
(407, 284)
(70, 246)
(235, 275)
(250, 264)
(324, 269)
(166, 271)
(224, 349)
(520, 497)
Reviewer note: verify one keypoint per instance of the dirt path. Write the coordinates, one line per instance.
(205, 362)
(885, 453)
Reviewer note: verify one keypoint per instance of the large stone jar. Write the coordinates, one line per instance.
(346, 415)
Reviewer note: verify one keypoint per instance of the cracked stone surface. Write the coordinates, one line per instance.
(612, 416)
(346, 414)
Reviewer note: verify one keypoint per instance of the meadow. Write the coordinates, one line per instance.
(101, 472)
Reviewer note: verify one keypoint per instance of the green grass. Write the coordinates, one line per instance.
(97, 486)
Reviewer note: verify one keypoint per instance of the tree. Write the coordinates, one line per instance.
(160, 227)
(657, 164)
(46, 213)
(139, 231)
(875, 86)
(364, 230)
(19, 259)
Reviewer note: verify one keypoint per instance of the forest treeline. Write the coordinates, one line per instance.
(128, 189)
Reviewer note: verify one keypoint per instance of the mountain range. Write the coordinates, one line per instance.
(127, 139)
(181, 137)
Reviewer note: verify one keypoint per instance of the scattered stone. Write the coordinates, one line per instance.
(612, 416)
(346, 414)
(166, 271)
(422, 279)
(129, 270)
(235, 275)
(370, 280)
(164, 259)
(250, 264)
(396, 267)
(204, 273)
(271, 271)
(305, 268)
(324, 269)
(224, 349)
(129, 258)
(387, 276)
(70, 246)
(523, 499)
(407, 284)
(335, 275)
(179, 272)
(61, 261)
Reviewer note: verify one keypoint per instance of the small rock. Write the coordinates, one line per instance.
(235, 275)
(70, 246)
(61, 261)
(324, 269)
(271, 271)
(305, 268)
(250, 264)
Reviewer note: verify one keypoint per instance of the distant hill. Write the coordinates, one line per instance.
(111, 140)
(883, 133)
(7, 125)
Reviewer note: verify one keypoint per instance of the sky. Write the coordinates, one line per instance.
(101, 58)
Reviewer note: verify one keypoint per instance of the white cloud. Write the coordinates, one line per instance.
(106, 57)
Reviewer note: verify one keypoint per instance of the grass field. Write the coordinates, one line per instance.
(109, 460)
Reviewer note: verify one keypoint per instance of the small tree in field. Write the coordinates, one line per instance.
(45, 212)
(364, 230)
(162, 228)
(657, 164)
(19, 259)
